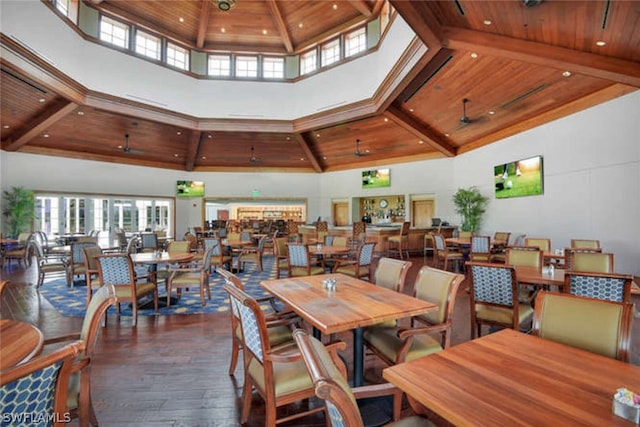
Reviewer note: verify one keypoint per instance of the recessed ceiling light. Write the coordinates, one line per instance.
(120, 147)
(491, 112)
(6, 126)
(324, 157)
(566, 74)
(223, 30)
(487, 22)
(81, 113)
(421, 142)
(334, 7)
(204, 157)
(302, 158)
(411, 110)
(264, 32)
(175, 155)
(181, 19)
(601, 43)
(446, 134)
(317, 135)
(288, 138)
(209, 136)
(300, 25)
(178, 133)
(41, 100)
(474, 55)
(386, 119)
(46, 135)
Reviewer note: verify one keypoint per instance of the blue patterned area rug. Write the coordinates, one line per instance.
(71, 301)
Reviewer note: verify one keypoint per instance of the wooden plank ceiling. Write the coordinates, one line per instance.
(517, 66)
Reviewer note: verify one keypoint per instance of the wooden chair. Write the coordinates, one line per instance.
(281, 253)
(399, 344)
(174, 247)
(79, 391)
(46, 379)
(48, 263)
(601, 327)
(117, 270)
(219, 257)
(494, 298)
(568, 255)
(92, 276)
(75, 265)
(278, 376)
(18, 251)
(480, 248)
(603, 286)
(300, 261)
(585, 243)
(465, 234)
(328, 374)
(592, 262)
(322, 229)
(398, 243)
(443, 253)
(499, 246)
(361, 266)
(278, 321)
(359, 231)
(188, 276)
(391, 273)
(149, 242)
(252, 254)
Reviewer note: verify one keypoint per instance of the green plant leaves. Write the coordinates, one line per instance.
(471, 205)
(18, 210)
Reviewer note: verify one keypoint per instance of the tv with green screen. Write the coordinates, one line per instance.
(376, 178)
(519, 178)
(190, 189)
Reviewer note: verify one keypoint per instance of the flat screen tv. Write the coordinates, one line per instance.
(190, 189)
(519, 178)
(376, 178)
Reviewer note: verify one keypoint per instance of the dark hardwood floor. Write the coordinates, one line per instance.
(173, 370)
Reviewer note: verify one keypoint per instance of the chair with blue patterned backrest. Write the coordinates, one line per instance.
(252, 254)
(429, 332)
(36, 390)
(480, 248)
(328, 374)
(79, 401)
(188, 276)
(300, 261)
(117, 270)
(443, 253)
(601, 327)
(278, 375)
(75, 265)
(361, 266)
(604, 286)
(219, 258)
(494, 298)
(149, 242)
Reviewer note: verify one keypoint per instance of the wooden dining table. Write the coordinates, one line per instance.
(540, 277)
(353, 305)
(19, 342)
(513, 379)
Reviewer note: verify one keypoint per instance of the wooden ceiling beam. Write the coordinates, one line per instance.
(377, 7)
(203, 24)
(195, 139)
(421, 20)
(420, 130)
(599, 66)
(280, 25)
(305, 143)
(362, 7)
(40, 124)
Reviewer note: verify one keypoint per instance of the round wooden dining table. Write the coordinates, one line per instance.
(19, 342)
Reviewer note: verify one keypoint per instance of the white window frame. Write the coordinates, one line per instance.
(114, 32)
(330, 52)
(308, 62)
(246, 66)
(177, 56)
(273, 67)
(355, 42)
(148, 45)
(219, 65)
(63, 7)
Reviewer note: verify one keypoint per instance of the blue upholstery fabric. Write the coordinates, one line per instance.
(115, 270)
(298, 255)
(366, 253)
(250, 331)
(334, 415)
(604, 288)
(479, 244)
(33, 395)
(492, 285)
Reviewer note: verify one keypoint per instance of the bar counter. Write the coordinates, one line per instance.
(380, 233)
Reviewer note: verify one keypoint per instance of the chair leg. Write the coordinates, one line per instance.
(168, 296)
(235, 352)
(246, 399)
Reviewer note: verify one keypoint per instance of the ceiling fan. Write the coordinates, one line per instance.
(466, 120)
(253, 158)
(359, 153)
(126, 148)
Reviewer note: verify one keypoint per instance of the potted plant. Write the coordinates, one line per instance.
(471, 205)
(18, 210)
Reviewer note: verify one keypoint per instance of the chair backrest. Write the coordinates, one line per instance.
(439, 243)
(439, 287)
(594, 262)
(179, 247)
(86, 239)
(90, 254)
(480, 248)
(298, 255)
(245, 236)
(115, 269)
(494, 285)
(404, 230)
(149, 240)
(329, 380)
(543, 244)
(391, 273)
(192, 239)
(206, 259)
(328, 240)
(519, 240)
(101, 300)
(38, 388)
(121, 236)
(501, 238)
(341, 241)
(603, 286)
(585, 243)
(358, 229)
(365, 253)
(77, 251)
(280, 247)
(568, 255)
(132, 245)
(465, 234)
(601, 327)
(529, 256)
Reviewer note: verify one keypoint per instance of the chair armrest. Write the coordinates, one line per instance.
(62, 338)
(404, 333)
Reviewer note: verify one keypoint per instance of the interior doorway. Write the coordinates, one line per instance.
(340, 213)
(421, 212)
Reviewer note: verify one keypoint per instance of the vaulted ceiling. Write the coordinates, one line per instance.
(518, 64)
